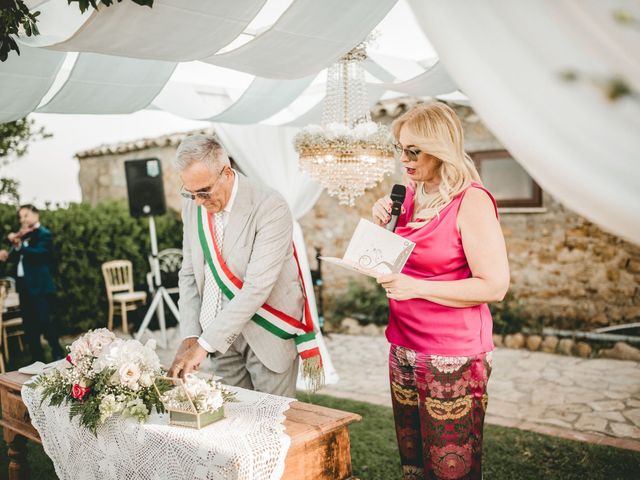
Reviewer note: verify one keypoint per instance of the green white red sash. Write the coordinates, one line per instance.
(269, 318)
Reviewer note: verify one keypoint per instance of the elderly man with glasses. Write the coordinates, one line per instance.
(241, 298)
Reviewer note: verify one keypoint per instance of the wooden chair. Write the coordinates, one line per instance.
(11, 321)
(118, 279)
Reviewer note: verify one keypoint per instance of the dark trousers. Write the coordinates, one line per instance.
(37, 321)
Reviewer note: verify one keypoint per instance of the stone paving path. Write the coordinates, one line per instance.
(595, 400)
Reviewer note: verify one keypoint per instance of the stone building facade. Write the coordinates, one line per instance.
(564, 270)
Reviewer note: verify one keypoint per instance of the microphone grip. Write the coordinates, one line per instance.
(396, 208)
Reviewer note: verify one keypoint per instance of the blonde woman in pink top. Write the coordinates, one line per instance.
(440, 328)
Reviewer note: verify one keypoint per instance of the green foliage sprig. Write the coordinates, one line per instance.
(56, 391)
(16, 136)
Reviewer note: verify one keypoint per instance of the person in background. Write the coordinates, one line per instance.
(32, 249)
(440, 328)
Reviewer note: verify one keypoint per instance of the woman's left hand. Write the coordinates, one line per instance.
(399, 286)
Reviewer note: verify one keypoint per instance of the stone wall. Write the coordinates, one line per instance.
(569, 271)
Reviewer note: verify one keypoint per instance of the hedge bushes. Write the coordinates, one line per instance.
(84, 237)
(364, 300)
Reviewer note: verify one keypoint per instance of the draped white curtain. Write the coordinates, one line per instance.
(264, 98)
(432, 82)
(176, 30)
(25, 80)
(108, 84)
(266, 153)
(308, 36)
(509, 59)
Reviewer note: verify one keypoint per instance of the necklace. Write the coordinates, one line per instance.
(424, 190)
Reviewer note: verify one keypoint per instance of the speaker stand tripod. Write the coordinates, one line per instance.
(161, 295)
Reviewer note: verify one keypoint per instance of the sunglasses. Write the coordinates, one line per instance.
(412, 155)
(205, 193)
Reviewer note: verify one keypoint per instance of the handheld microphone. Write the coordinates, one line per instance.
(398, 192)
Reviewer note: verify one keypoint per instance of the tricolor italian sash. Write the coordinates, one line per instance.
(269, 318)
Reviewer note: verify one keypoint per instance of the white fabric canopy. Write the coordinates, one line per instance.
(434, 81)
(309, 36)
(279, 170)
(184, 100)
(25, 80)
(175, 30)
(262, 99)
(108, 84)
(578, 145)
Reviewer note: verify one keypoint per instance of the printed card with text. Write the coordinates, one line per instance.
(374, 251)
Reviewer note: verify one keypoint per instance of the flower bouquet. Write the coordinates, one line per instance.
(194, 402)
(105, 376)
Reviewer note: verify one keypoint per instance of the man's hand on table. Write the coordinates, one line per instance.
(188, 358)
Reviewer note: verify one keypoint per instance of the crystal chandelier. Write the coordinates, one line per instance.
(347, 153)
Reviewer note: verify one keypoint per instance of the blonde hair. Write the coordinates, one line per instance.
(436, 129)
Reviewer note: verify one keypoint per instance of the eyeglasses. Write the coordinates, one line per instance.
(203, 194)
(412, 155)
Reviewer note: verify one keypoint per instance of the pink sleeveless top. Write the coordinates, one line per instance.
(429, 327)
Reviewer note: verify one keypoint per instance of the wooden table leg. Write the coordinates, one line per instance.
(17, 452)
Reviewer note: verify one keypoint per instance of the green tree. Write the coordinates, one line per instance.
(15, 138)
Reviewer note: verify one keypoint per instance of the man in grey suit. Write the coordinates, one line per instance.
(256, 236)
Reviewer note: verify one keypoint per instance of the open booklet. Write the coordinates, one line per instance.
(374, 251)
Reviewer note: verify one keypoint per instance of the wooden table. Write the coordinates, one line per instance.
(319, 450)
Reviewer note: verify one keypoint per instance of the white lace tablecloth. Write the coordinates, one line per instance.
(249, 443)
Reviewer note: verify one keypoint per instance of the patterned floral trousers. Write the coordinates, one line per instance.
(439, 405)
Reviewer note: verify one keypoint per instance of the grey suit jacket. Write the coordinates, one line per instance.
(257, 247)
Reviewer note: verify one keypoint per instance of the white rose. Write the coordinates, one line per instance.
(146, 380)
(129, 374)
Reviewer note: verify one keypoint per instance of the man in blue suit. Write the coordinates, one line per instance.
(32, 248)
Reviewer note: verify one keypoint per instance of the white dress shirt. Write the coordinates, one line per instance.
(20, 272)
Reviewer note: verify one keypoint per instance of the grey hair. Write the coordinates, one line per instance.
(200, 148)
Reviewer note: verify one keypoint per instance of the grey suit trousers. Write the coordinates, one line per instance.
(240, 367)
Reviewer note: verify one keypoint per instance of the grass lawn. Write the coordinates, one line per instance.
(508, 453)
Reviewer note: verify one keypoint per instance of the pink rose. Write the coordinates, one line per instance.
(79, 392)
